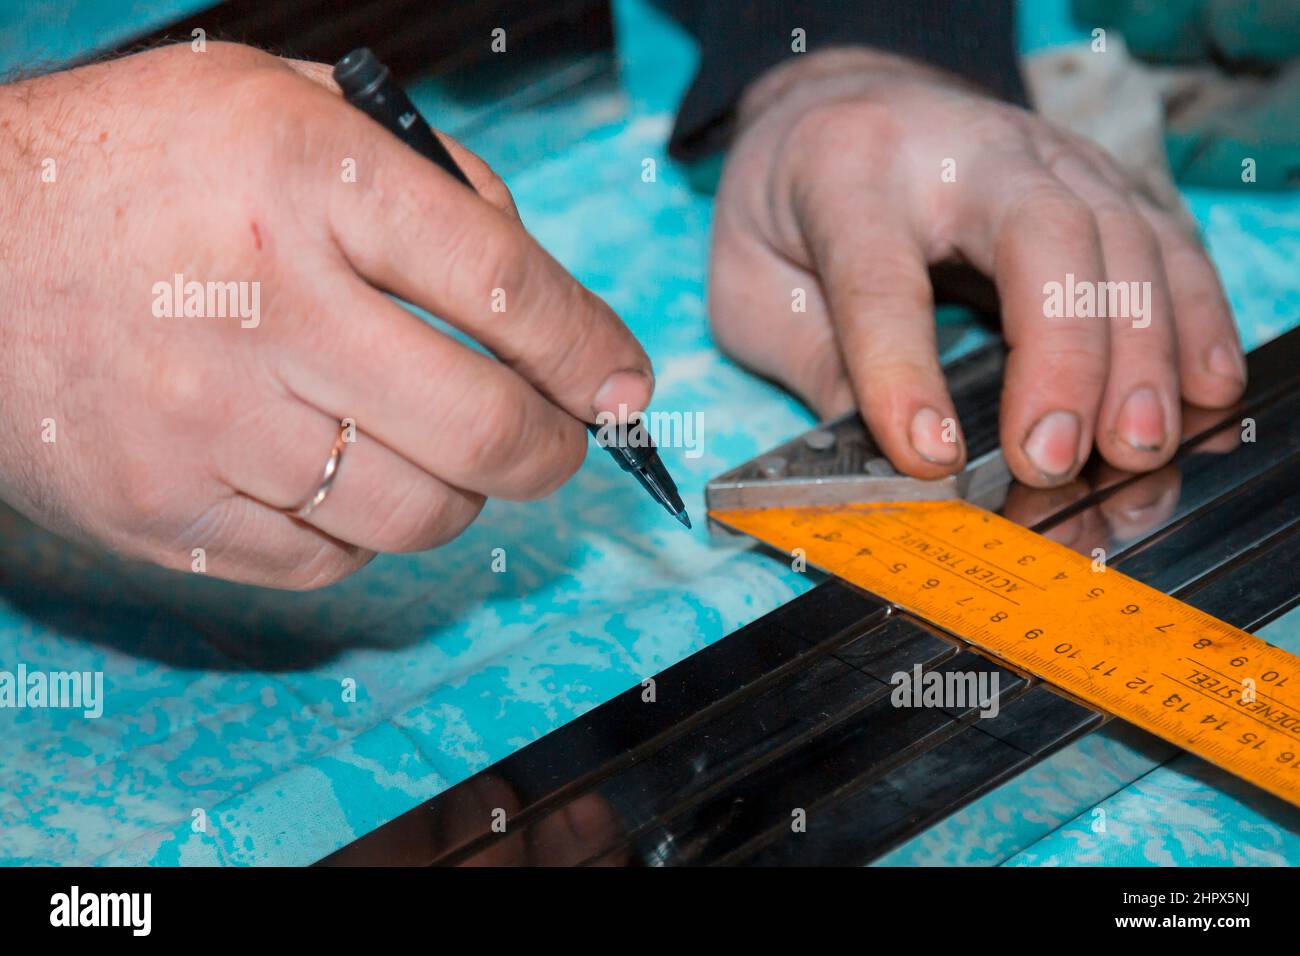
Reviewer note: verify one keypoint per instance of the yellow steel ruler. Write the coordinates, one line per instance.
(1107, 639)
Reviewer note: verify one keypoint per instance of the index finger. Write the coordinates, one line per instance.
(411, 229)
(878, 286)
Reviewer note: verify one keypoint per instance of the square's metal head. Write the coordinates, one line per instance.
(838, 462)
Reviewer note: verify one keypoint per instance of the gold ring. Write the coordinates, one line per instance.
(331, 470)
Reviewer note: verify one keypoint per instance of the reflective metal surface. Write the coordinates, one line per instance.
(787, 723)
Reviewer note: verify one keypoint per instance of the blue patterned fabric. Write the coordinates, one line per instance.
(230, 705)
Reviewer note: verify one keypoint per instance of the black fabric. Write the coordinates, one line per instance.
(741, 39)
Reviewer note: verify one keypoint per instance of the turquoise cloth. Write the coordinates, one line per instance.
(229, 735)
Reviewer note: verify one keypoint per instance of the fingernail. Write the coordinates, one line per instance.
(1141, 421)
(1053, 444)
(934, 439)
(1227, 361)
(629, 388)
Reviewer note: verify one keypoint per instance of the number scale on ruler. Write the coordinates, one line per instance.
(1126, 648)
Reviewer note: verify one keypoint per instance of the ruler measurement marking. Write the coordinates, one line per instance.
(1010, 574)
(1223, 703)
(960, 575)
(1110, 647)
(1278, 700)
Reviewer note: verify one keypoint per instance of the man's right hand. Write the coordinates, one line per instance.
(157, 435)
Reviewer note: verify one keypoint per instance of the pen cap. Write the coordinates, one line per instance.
(359, 72)
(367, 84)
